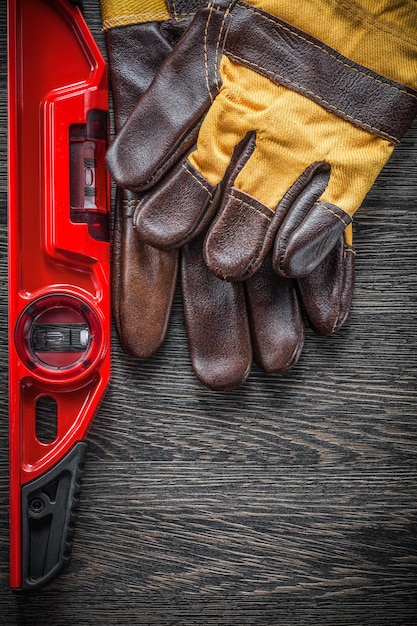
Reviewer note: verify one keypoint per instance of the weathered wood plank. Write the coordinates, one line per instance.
(289, 501)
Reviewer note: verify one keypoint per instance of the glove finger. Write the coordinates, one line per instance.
(327, 292)
(176, 210)
(244, 230)
(217, 323)
(181, 206)
(307, 237)
(276, 322)
(162, 126)
(134, 51)
(144, 279)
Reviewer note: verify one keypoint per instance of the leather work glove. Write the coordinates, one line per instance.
(224, 321)
(295, 108)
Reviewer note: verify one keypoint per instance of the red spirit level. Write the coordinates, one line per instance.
(59, 305)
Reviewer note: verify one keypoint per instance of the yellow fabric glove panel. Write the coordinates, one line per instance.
(287, 112)
(291, 133)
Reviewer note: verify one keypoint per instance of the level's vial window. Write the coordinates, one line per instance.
(88, 179)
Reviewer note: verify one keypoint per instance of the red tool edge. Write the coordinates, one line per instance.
(59, 268)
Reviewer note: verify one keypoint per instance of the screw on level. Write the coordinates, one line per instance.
(37, 505)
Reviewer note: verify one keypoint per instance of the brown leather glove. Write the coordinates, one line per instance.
(224, 320)
(307, 98)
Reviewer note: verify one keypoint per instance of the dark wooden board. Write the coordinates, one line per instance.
(289, 501)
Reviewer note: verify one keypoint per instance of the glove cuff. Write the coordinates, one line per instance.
(125, 12)
(381, 36)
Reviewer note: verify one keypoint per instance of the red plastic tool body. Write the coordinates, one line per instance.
(58, 243)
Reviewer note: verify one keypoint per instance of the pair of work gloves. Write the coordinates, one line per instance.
(247, 135)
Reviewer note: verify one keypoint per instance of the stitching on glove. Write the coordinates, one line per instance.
(179, 17)
(217, 77)
(329, 210)
(329, 105)
(383, 82)
(386, 28)
(206, 52)
(233, 196)
(200, 182)
(217, 54)
(130, 206)
(349, 249)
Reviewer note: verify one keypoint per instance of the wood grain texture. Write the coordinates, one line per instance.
(291, 501)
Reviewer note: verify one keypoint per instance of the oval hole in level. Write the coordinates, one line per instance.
(46, 419)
